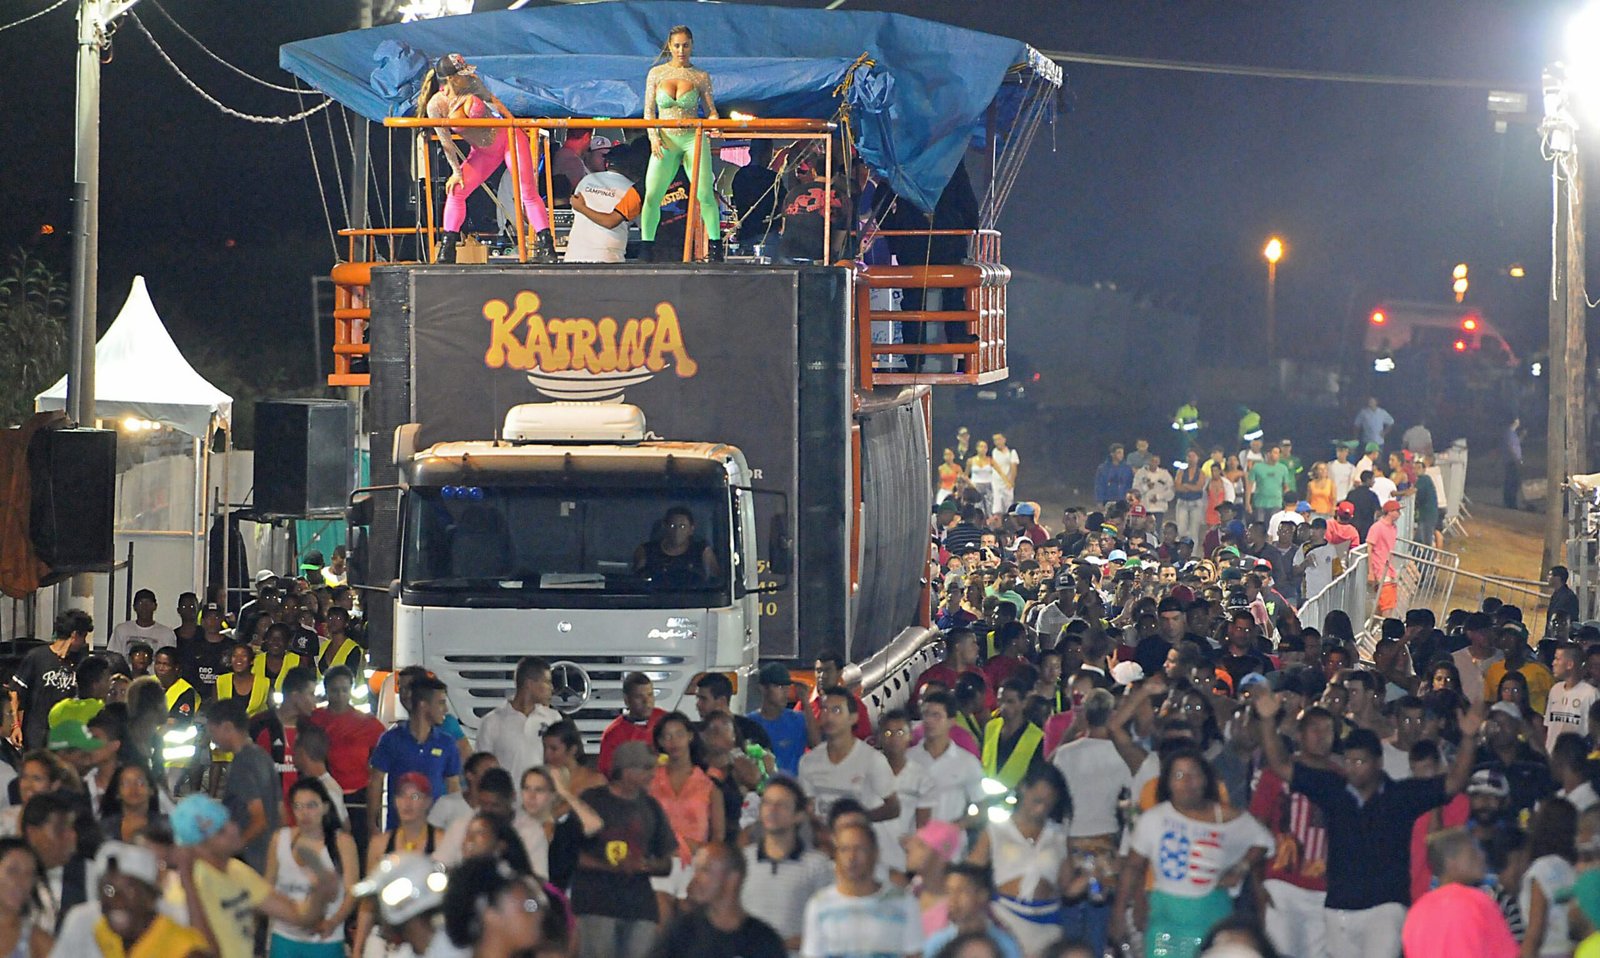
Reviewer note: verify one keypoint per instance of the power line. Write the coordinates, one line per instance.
(1277, 73)
(33, 16)
(253, 118)
(207, 51)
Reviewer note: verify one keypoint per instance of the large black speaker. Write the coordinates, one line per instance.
(304, 456)
(73, 476)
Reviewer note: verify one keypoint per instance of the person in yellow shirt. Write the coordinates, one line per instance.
(231, 894)
(130, 924)
(1513, 642)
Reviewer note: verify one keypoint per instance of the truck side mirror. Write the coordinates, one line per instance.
(780, 547)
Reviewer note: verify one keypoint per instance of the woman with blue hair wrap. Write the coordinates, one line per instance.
(677, 90)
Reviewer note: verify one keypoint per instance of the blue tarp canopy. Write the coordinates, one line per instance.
(913, 111)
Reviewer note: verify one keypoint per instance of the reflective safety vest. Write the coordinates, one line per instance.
(1016, 766)
(177, 741)
(1250, 426)
(1187, 418)
(260, 693)
(348, 654)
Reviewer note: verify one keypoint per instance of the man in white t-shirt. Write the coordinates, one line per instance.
(1383, 487)
(514, 732)
(143, 627)
(844, 766)
(1342, 471)
(911, 785)
(1567, 709)
(955, 774)
(1315, 558)
(603, 204)
(857, 915)
(1095, 772)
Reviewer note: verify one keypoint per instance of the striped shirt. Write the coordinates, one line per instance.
(777, 890)
(1301, 837)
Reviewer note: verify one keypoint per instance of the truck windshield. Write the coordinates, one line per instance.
(645, 547)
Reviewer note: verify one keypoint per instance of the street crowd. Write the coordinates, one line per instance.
(1131, 743)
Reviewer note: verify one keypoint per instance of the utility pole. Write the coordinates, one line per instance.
(1567, 430)
(93, 18)
(83, 329)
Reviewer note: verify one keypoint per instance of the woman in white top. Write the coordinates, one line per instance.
(980, 472)
(298, 854)
(1552, 850)
(1033, 868)
(1199, 848)
(543, 791)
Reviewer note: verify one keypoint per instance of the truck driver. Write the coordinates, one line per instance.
(674, 557)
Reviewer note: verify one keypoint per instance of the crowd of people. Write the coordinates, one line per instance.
(1130, 744)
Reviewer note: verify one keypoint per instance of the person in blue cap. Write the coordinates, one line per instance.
(232, 894)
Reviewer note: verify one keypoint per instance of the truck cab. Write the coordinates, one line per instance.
(576, 537)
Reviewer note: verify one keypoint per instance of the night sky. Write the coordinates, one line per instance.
(1166, 183)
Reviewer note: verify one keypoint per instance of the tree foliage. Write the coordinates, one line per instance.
(33, 333)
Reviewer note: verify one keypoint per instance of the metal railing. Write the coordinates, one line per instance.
(1429, 578)
(788, 129)
(981, 280)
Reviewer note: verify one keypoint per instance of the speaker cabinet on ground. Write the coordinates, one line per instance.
(304, 457)
(73, 477)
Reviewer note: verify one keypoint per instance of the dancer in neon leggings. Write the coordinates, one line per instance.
(677, 90)
(463, 95)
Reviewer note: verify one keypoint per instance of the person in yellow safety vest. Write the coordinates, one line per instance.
(1011, 744)
(246, 681)
(1186, 422)
(1249, 425)
(339, 648)
(183, 704)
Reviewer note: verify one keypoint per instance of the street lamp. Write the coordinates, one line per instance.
(1273, 252)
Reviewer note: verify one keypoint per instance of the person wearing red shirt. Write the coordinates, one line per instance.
(1452, 815)
(1013, 644)
(961, 655)
(1340, 529)
(1297, 875)
(637, 723)
(352, 735)
(830, 674)
(1024, 521)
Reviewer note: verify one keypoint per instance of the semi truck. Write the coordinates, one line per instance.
(677, 468)
(550, 426)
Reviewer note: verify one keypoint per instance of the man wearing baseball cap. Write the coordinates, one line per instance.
(230, 893)
(611, 893)
(126, 918)
(1381, 540)
(205, 659)
(788, 728)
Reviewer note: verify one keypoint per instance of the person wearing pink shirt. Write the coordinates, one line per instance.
(1457, 918)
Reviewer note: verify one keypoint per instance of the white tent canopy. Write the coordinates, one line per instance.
(138, 371)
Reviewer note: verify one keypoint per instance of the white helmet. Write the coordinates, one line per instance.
(406, 886)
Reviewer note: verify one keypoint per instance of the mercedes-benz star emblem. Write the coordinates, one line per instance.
(572, 687)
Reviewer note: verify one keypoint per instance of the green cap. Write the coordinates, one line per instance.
(72, 734)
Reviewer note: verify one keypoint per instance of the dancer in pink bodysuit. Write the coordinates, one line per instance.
(464, 95)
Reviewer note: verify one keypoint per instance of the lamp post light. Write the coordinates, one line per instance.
(1273, 252)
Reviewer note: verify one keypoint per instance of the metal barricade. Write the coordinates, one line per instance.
(1424, 577)
(1347, 592)
(1452, 465)
(1406, 526)
(1429, 578)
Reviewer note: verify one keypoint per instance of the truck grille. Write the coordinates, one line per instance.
(479, 683)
